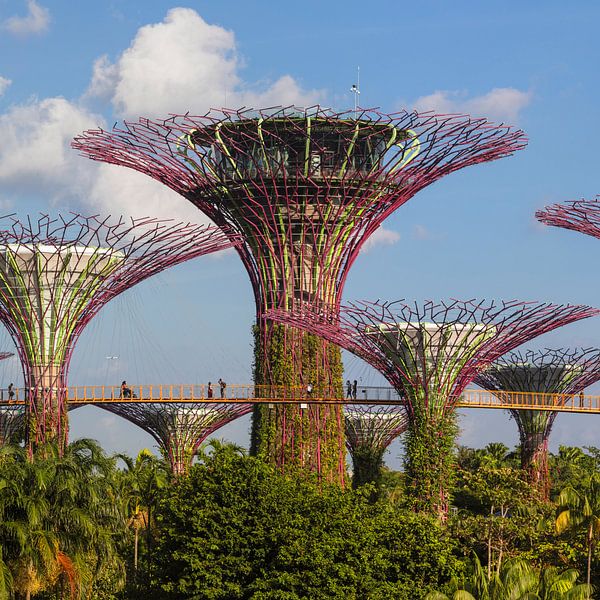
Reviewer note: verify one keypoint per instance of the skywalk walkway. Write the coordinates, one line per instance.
(256, 394)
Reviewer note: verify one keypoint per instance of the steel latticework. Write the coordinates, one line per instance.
(578, 215)
(56, 274)
(179, 428)
(369, 432)
(430, 353)
(561, 371)
(305, 188)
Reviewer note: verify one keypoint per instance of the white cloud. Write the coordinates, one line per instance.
(381, 237)
(179, 64)
(422, 233)
(36, 20)
(104, 80)
(35, 153)
(184, 64)
(4, 83)
(122, 191)
(502, 104)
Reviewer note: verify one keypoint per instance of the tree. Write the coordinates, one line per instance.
(235, 528)
(517, 580)
(59, 519)
(581, 510)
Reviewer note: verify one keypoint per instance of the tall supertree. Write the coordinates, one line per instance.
(430, 353)
(369, 432)
(179, 427)
(56, 274)
(536, 373)
(305, 188)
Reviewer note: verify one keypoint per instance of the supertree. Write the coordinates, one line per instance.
(561, 371)
(56, 274)
(179, 427)
(369, 432)
(305, 188)
(429, 353)
(578, 215)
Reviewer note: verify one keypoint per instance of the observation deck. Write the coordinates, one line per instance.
(315, 147)
(257, 394)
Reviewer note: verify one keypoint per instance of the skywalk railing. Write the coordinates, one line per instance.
(303, 395)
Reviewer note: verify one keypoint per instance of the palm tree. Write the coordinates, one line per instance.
(144, 478)
(59, 518)
(581, 510)
(517, 580)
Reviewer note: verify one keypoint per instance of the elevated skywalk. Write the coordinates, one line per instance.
(257, 394)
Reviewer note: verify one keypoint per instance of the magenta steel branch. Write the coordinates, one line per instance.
(56, 274)
(305, 187)
(578, 215)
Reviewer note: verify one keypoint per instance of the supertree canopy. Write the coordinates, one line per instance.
(578, 215)
(430, 353)
(305, 188)
(369, 431)
(546, 371)
(56, 274)
(179, 427)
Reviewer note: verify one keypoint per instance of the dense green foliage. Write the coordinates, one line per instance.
(234, 528)
(89, 527)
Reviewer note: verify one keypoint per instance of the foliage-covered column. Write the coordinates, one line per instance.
(308, 437)
(430, 445)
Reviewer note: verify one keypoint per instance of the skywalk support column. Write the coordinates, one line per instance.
(55, 275)
(546, 371)
(430, 353)
(305, 188)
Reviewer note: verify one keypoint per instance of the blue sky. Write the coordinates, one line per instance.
(68, 66)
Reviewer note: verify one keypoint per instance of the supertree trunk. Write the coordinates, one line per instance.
(305, 188)
(367, 463)
(536, 373)
(290, 436)
(430, 445)
(534, 461)
(429, 354)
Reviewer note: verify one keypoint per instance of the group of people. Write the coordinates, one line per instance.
(222, 388)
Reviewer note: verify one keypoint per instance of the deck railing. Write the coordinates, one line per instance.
(234, 393)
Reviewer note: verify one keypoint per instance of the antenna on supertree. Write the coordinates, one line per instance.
(430, 353)
(578, 215)
(305, 188)
(56, 274)
(369, 432)
(561, 371)
(179, 427)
